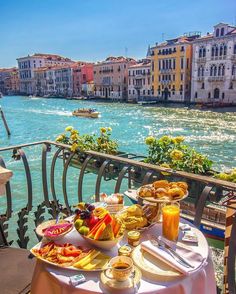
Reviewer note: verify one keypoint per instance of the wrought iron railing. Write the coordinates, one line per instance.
(124, 170)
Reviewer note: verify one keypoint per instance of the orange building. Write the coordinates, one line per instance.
(9, 80)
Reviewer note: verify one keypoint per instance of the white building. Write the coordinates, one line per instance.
(139, 80)
(214, 66)
(27, 66)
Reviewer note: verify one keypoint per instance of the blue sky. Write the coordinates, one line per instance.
(93, 29)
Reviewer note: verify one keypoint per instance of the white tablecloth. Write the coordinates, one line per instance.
(48, 279)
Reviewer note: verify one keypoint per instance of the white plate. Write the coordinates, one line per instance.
(39, 245)
(153, 268)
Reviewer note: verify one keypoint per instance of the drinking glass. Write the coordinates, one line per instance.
(170, 221)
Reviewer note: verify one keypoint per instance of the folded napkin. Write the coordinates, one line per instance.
(195, 259)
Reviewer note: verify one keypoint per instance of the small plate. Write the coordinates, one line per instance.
(46, 224)
(153, 268)
(123, 287)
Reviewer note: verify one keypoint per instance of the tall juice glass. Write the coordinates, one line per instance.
(170, 221)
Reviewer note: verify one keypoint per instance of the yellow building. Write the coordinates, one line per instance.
(171, 68)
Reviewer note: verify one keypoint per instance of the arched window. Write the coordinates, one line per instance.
(215, 71)
(195, 94)
(213, 51)
(216, 51)
(216, 93)
(225, 50)
(202, 71)
(209, 95)
(199, 71)
(211, 70)
(219, 70)
(223, 95)
(221, 50)
(217, 32)
(223, 70)
(200, 52)
(222, 32)
(204, 52)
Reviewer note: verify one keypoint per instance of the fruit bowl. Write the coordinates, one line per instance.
(103, 244)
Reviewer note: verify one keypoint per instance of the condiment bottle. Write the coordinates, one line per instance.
(133, 238)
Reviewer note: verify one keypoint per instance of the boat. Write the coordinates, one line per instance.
(84, 112)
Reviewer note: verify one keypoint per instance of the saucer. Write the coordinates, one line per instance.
(126, 286)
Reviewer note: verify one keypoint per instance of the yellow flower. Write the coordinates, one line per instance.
(178, 139)
(74, 132)
(150, 140)
(59, 138)
(74, 137)
(165, 139)
(74, 147)
(109, 129)
(167, 166)
(69, 128)
(103, 130)
(176, 154)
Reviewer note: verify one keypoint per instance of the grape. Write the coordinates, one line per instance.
(83, 215)
(91, 207)
(87, 213)
(78, 211)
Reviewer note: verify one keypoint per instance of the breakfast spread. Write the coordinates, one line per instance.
(164, 190)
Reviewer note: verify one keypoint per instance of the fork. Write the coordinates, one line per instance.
(156, 242)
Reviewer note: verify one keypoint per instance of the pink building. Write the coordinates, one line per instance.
(111, 77)
(82, 78)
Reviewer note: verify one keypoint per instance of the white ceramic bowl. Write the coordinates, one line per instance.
(105, 245)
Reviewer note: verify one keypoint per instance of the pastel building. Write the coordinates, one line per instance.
(111, 77)
(214, 66)
(82, 78)
(171, 68)
(54, 81)
(27, 66)
(139, 80)
(9, 80)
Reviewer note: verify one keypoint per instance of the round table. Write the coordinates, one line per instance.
(51, 279)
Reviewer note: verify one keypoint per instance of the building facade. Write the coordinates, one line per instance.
(54, 81)
(171, 68)
(9, 81)
(111, 77)
(139, 80)
(82, 78)
(27, 66)
(214, 66)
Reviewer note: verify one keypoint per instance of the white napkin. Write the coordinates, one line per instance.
(195, 259)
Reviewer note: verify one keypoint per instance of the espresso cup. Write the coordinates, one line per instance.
(121, 267)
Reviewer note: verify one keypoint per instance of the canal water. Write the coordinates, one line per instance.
(35, 119)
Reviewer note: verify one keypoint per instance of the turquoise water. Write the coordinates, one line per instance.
(38, 119)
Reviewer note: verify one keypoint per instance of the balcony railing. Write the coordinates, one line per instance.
(124, 171)
(219, 57)
(214, 79)
(201, 60)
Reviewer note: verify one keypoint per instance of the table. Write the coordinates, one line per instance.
(50, 279)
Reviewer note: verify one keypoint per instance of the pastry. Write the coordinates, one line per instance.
(161, 184)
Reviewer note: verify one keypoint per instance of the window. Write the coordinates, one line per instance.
(225, 50)
(231, 86)
(159, 63)
(148, 92)
(195, 95)
(174, 78)
(187, 62)
(133, 92)
(174, 59)
(129, 91)
(234, 48)
(170, 64)
(152, 66)
(203, 86)
(222, 32)
(200, 53)
(217, 32)
(204, 52)
(143, 92)
(209, 95)
(181, 77)
(182, 48)
(182, 63)
(223, 95)
(129, 82)
(216, 93)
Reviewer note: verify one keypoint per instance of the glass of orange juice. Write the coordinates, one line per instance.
(170, 221)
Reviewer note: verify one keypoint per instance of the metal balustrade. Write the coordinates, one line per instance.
(126, 167)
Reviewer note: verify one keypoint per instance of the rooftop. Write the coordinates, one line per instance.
(48, 57)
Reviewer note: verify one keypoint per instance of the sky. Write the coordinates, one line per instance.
(91, 30)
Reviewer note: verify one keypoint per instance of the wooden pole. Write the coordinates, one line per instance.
(5, 122)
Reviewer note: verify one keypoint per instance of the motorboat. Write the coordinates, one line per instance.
(86, 112)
